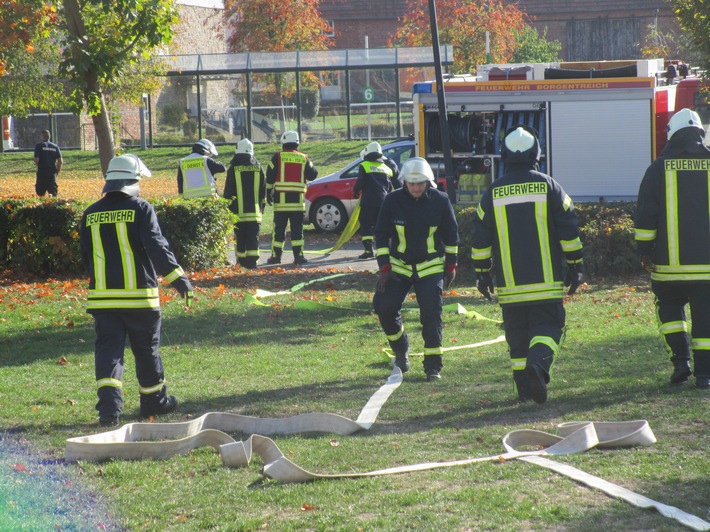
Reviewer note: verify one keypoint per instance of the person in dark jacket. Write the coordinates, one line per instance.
(376, 176)
(196, 172)
(286, 176)
(673, 240)
(417, 239)
(524, 226)
(246, 187)
(123, 251)
(48, 159)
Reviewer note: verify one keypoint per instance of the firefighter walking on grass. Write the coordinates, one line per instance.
(123, 251)
(417, 247)
(245, 185)
(523, 227)
(286, 176)
(673, 240)
(376, 176)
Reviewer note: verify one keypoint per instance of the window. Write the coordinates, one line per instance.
(331, 23)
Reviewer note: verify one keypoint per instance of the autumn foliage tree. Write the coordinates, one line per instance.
(463, 24)
(277, 26)
(23, 22)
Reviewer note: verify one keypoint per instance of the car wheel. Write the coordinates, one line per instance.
(328, 215)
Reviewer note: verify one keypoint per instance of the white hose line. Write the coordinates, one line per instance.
(163, 440)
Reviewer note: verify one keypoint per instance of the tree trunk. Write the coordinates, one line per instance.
(104, 135)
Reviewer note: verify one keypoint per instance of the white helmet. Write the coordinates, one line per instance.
(289, 137)
(245, 146)
(373, 147)
(208, 146)
(362, 153)
(123, 174)
(521, 143)
(682, 119)
(416, 170)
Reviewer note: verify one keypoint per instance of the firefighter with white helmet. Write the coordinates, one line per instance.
(672, 222)
(416, 239)
(195, 177)
(523, 228)
(377, 175)
(286, 176)
(245, 185)
(123, 251)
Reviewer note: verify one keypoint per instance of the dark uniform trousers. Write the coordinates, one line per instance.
(388, 305)
(671, 299)
(367, 219)
(247, 237)
(281, 220)
(46, 183)
(143, 331)
(534, 334)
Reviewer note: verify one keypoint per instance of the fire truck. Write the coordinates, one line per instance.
(600, 124)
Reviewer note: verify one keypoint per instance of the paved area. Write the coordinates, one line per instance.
(344, 258)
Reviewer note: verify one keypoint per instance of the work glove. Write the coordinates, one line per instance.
(384, 277)
(574, 277)
(184, 288)
(449, 275)
(647, 263)
(484, 284)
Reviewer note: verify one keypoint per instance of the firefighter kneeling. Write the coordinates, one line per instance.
(416, 236)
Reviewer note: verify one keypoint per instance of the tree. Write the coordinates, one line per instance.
(23, 22)
(694, 18)
(104, 41)
(463, 24)
(531, 47)
(277, 26)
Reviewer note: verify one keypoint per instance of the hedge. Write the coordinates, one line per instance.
(41, 237)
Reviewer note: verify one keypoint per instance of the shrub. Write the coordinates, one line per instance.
(44, 237)
(198, 230)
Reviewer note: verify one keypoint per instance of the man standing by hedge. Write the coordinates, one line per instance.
(673, 241)
(48, 159)
(122, 249)
(524, 225)
(286, 178)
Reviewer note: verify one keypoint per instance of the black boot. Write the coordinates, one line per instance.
(537, 383)
(681, 372)
(275, 257)
(369, 253)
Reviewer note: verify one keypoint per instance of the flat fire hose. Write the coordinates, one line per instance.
(163, 440)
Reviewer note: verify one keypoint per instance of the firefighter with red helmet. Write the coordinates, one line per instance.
(673, 240)
(195, 177)
(416, 238)
(123, 251)
(524, 226)
(245, 185)
(376, 176)
(286, 176)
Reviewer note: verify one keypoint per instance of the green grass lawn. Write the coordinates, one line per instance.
(278, 361)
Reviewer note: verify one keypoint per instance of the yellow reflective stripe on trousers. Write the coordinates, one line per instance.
(115, 383)
(671, 327)
(518, 364)
(396, 336)
(701, 344)
(428, 351)
(152, 389)
(546, 340)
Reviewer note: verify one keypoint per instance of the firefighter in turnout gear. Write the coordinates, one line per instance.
(195, 177)
(246, 187)
(376, 176)
(417, 239)
(673, 240)
(286, 176)
(123, 251)
(523, 227)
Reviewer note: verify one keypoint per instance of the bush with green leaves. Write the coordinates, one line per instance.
(198, 230)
